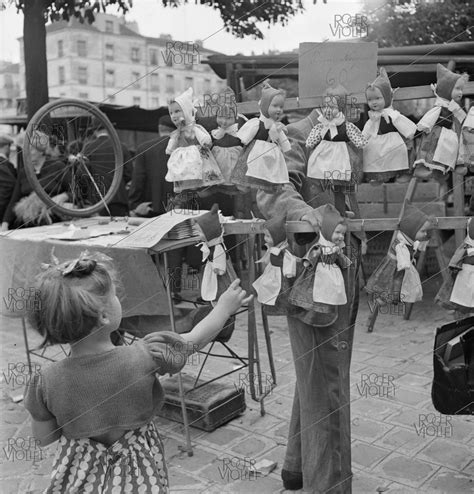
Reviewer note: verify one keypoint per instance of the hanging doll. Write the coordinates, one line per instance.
(458, 292)
(226, 146)
(386, 154)
(191, 164)
(218, 271)
(333, 163)
(273, 286)
(320, 286)
(396, 279)
(466, 150)
(439, 145)
(261, 165)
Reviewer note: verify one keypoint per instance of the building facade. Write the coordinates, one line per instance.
(109, 61)
(9, 87)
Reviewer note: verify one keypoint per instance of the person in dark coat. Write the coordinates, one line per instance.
(7, 176)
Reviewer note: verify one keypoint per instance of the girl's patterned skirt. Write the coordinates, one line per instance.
(133, 464)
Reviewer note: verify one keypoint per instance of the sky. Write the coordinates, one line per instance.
(191, 22)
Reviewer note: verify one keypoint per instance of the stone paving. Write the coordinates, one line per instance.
(397, 447)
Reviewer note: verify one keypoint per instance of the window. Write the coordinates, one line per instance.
(83, 95)
(109, 51)
(153, 57)
(169, 84)
(61, 75)
(7, 81)
(135, 54)
(81, 48)
(155, 84)
(110, 78)
(136, 80)
(188, 82)
(82, 75)
(109, 26)
(154, 102)
(60, 48)
(137, 100)
(207, 86)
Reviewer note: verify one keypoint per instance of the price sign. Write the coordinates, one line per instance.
(324, 65)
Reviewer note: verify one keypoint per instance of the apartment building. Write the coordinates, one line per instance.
(109, 61)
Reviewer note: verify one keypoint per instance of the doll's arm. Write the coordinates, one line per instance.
(404, 125)
(248, 131)
(356, 136)
(202, 135)
(173, 142)
(314, 137)
(428, 121)
(457, 111)
(403, 256)
(456, 261)
(281, 139)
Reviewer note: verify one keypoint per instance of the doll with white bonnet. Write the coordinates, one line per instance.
(273, 286)
(191, 165)
(457, 293)
(386, 154)
(226, 146)
(396, 279)
(439, 145)
(262, 165)
(333, 162)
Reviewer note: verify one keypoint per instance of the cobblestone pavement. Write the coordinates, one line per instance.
(397, 447)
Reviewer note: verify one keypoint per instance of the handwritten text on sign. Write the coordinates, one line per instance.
(323, 65)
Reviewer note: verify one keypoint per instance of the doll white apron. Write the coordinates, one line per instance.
(411, 290)
(185, 163)
(226, 158)
(330, 160)
(463, 289)
(328, 286)
(266, 162)
(212, 269)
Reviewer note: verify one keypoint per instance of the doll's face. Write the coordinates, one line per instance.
(375, 99)
(176, 114)
(275, 109)
(330, 109)
(337, 237)
(267, 238)
(226, 119)
(456, 93)
(424, 232)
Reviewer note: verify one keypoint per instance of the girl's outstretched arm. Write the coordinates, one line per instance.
(46, 432)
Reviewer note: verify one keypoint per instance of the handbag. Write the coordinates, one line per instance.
(452, 391)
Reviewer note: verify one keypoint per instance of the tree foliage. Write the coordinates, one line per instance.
(421, 23)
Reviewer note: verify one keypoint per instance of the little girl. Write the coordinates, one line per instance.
(396, 279)
(458, 292)
(191, 164)
(226, 145)
(439, 145)
(100, 401)
(386, 154)
(320, 286)
(273, 286)
(262, 165)
(333, 162)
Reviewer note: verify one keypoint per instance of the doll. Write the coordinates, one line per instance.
(386, 154)
(320, 286)
(396, 279)
(261, 165)
(191, 164)
(466, 150)
(333, 161)
(226, 145)
(273, 286)
(218, 271)
(458, 292)
(439, 145)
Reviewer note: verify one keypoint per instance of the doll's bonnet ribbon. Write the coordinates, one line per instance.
(330, 125)
(220, 132)
(212, 269)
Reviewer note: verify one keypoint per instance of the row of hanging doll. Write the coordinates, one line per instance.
(253, 156)
(293, 286)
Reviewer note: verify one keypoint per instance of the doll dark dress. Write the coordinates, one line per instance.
(396, 279)
(273, 286)
(457, 293)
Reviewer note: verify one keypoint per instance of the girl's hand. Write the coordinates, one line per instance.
(233, 298)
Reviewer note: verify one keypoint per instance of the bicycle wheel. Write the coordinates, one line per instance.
(73, 158)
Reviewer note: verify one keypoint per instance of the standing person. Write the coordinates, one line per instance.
(318, 455)
(7, 176)
(99, 402)
(101, 164)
